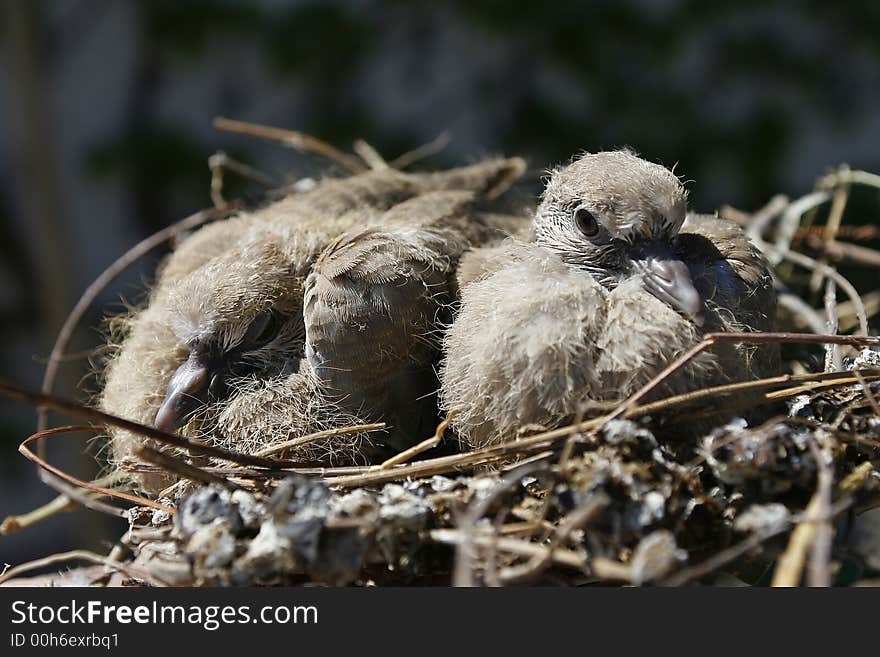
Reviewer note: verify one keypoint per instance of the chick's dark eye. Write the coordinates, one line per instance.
(263, 329)
(586, 222)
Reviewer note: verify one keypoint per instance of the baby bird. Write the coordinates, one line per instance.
(317, 311)
(619, 281)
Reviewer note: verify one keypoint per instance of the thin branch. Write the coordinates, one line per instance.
(299, 441)
(418, 154)
(370, 155)
(93, 414)
(180, 467)
(83, 555)
(819, 571)
(60, 504)
(425, 445)
(293, 139)
(109, 492)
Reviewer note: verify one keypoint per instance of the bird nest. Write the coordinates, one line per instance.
(610, 498)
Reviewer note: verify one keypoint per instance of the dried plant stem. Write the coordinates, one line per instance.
(581, 516)
(78, 410)
(82, 555)
(847, 311)
(370, 155)
(296, 140)
(423, 446)
(59, 504)
(515, 546)
(788, 225)
(758, 221)
(418, 154)
(835, 218)
(800, 308)
(846, 176)
(109, 492)
(791, 563)
(710, 339)
(866, 391)
(819, 571)
(842, 251)
(815, 521)
(272, 450)
(833, 357)
(542, 440)
(220, 162)
(462, 575)
(832, 378)
(724, 557)
(180, 467)
(829, 272)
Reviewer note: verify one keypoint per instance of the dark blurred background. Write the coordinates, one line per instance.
(106, 110)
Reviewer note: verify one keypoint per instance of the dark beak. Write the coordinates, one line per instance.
(668, 278)
(188, 390)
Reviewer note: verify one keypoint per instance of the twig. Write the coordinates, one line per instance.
(293, 139)
(866, 391)
(855, 479)
(788, 225)
(846, 176)
(791, 563)
(818, 512)
(819, 572)
(797, 306)
(220, 162)
(710, 339)
(724, 557)
(418, 154)
(517, 546)
(847, 311)
(582, 515)
(370, 155)
(828, 272)
(833, 358)
(840, 251)
(109, 492)
(757, 222)
(59, 504)
(83, 555)
(835, 219)
(107, 276)
(93, 414)
(627, 408)
(178, 466)
(278, 448)
(464, 554)
(423, 446)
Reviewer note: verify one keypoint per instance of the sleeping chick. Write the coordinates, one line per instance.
(317, 311)
(619, 281)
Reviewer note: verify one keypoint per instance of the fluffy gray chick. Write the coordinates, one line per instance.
(220, 351)
(619, 281)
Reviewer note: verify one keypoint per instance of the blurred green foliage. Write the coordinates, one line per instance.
(704, 84)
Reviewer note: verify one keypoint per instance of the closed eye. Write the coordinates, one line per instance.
(262, 330)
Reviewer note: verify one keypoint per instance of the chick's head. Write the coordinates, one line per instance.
(617, 216)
